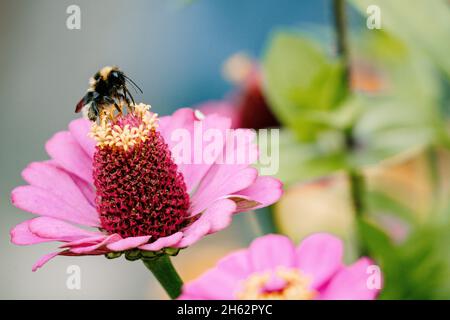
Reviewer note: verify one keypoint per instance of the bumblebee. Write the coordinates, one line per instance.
(107, 93)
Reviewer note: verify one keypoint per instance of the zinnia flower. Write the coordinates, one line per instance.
(128, 188)
(273, 268)
(247, 106)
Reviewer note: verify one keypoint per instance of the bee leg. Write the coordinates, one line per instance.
(124, 101)
(112, 108)
(111, 114)
(119, 109)
(130, 108)
(101, 116)
(113, 102)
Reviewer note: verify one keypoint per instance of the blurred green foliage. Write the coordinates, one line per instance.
(406, 113)
(409, 111)
(422, 24)
(302, 83)
(419, 268)
(305, 88)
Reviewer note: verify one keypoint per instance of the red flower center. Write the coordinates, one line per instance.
(139, 191)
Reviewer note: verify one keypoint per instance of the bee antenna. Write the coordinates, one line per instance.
(135, 86)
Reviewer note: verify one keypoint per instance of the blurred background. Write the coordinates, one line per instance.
(371, 128)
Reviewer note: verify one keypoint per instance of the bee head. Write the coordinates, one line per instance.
(116, 78)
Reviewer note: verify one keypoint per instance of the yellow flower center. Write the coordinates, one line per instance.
(296, 286)
(126, 130)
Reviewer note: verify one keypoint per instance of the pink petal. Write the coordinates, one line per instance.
(270, 251)
(350, 283)
(320, 255)
(194, 233)
(265, 190)
(80, 129)
(60, 184)
(85, 242)
(86, 189)
(128, 243)
(224, 177)
(164, 242)
(223, 183)
(185, 119)
(101, 245)
(21, 235)
(43, 260)
(275, 283)
(51, 228)
(194, 172)
(182, 118)
(223, 108)
(66, 151)
(236, 263)
(212, 285)
(188, 296)
(221, 178)
(39, 201)
(217, 217)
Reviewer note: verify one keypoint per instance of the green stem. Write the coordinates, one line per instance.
(357, 190)
(163, 270)
(355, 176)
(340, 22)
(434, 176)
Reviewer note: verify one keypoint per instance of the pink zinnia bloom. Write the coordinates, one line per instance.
(273, 268)
(247, 107)
(128, 188)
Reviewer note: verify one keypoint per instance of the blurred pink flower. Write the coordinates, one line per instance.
(247, 106)
(273, 268)
(135, 199)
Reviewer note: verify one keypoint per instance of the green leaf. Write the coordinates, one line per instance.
(425, 265)
(378, 201)
(422, 24)
(407, 114)
(414, 103)
(375, 240)
(406, 72)
(390, 125)
(300, 161)
(416, 269)
(301, 81)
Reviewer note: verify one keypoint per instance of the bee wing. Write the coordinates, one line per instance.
(80, 105)
(89, 112)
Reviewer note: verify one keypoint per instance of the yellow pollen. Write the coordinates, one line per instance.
(297, 286)
(110, 134)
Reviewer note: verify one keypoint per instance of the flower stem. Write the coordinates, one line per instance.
(164, 271)
(340, 23)
(355, 176)
(357, 189)
(432, 158)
